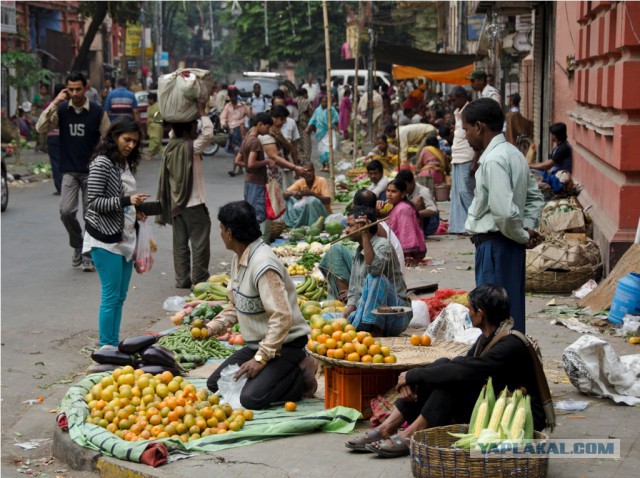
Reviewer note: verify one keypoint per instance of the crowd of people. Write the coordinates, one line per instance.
(495, 200)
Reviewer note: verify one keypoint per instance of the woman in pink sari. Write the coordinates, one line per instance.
(432, 161)
(345, 113)
(403, 221)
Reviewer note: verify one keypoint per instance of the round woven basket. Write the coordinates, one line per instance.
(432, 456)
(407, 355)
(276, 229)
(560, 281)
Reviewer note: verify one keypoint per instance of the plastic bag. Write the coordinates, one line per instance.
(174, 303)
(230, 388)
(179, 91)
(420, 314)
(145, 247)
(453, 323)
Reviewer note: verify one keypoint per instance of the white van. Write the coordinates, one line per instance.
(346, 77)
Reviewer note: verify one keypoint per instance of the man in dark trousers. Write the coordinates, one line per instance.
(506, 206)
(81, 123)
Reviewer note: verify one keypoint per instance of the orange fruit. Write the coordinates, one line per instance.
(390, 359)
(345, 337)
(362, 349)
(353, 357)
(331, 352)
(322, 338)
(315, 333)
(378, 358)
(362, 335)
(247, 414)
(366, 358)
(328, 329)
(290, 406)
(415, 339)
(337, 326)
(349, 327)
(425, 340)
(374, 349)
(338, 354)
(321, 349)
(369, 341)
(385, 351)
(331, 343)
(337, 335)
(348, 348)
(212, 422)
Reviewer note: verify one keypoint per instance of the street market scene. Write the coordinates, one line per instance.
(318, 238)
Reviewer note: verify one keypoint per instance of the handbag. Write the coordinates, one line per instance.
(276, 204)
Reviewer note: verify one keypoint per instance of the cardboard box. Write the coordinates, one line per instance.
(564, 221)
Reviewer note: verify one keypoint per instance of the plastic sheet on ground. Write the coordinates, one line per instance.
(275, 422)
(594, 368)
(576, 325)
(453, 323)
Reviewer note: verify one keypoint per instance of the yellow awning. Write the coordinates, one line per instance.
(454, 77)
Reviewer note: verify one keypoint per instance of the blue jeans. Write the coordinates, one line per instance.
(115, 273)
(255, 195)
(501, 261)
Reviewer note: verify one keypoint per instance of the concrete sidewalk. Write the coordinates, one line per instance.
(323, 455)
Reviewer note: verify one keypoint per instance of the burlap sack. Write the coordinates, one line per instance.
(178, 93)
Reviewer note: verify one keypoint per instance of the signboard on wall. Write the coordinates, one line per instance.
(474, 27)
(133, 40)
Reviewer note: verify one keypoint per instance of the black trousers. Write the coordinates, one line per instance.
(279, 381)
(444, 405)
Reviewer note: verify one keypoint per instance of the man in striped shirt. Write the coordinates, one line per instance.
(121, 102)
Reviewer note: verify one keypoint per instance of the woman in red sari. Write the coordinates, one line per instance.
(432, 161)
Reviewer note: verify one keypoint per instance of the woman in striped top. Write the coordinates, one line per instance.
(110, 233)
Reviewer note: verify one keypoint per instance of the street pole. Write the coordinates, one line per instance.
(354, 106)
(327, 50)
(370, 77)
(158, 38)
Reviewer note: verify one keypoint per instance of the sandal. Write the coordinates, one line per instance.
(392, 447)
(360, 442)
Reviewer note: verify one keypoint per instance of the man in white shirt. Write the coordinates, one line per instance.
(480, 84)
(312, 88)
(258, 102)
(463, 182)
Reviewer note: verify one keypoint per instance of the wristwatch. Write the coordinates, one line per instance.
(260, 359)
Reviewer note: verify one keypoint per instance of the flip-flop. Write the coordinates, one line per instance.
(392, 447)
(360, 442)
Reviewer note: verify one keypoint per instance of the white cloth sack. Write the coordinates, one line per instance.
(594, 368)
(453, 323)
(178, 93)
(420, 314)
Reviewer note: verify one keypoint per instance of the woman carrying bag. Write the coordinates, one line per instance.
(113, 209)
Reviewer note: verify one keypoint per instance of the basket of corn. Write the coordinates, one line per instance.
(446, 452)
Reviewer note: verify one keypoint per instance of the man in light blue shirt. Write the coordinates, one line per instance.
(506, 206)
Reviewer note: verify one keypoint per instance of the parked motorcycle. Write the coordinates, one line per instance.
(219, 135)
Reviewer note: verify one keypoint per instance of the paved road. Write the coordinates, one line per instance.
(50, 310)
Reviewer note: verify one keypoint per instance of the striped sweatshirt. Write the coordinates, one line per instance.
(105, 216)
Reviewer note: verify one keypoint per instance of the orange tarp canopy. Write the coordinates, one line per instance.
(454, 77)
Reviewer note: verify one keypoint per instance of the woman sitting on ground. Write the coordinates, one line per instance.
(445, 391)
(403, 221)
(265, 304)
(384, 152)
(432, 161)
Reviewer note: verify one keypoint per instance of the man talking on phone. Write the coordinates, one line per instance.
(81, 123)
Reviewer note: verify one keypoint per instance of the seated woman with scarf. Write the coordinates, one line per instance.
(307, 199)
(432, 161)
(445, 391)
(384, 152)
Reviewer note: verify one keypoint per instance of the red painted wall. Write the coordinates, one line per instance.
(604, 126)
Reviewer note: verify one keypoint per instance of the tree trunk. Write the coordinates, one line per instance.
(80, 62)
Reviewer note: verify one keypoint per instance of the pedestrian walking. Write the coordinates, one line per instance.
(304, 115)
(110, 235)
(81, 123)
(154, 126)
(320, 124)
(506, 206)
(53, 146)
(92, 93)
(233, 117)
(345, 113)
(480, 84)
(182, 194)
(122, 102)
(463, 182)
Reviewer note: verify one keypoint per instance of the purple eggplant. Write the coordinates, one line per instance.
(111, 356)
(158, 355)
(134, 345)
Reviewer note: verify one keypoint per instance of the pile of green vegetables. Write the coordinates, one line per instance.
(184, 345)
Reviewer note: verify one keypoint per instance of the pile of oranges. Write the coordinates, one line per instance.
(423, 340)
(139, 406)
(340, 340)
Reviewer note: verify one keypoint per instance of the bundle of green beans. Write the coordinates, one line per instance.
(181, 341)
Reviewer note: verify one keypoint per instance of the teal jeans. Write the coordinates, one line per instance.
(115, 273)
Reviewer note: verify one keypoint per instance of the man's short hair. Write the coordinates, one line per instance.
(122, 81)
(559, 130)
(153, 96)
(459, 92)
(374, 165)
(405, 175)
(77, 76)
(493, 300)
(279, 111)
(515, 99)
(389, 129)
(487, 111)
(263, 118)
(365, 197)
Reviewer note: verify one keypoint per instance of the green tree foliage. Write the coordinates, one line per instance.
(28, 72)
(120, 12)
(182, 24)
(295, 30)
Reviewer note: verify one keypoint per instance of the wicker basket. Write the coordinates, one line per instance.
(560, 281)
(407, 355)
(276, 229)
(432, 456)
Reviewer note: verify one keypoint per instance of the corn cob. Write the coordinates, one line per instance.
(509, 410)
(498, 410)
(528, 424)
(476, 408)
(516, 432)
